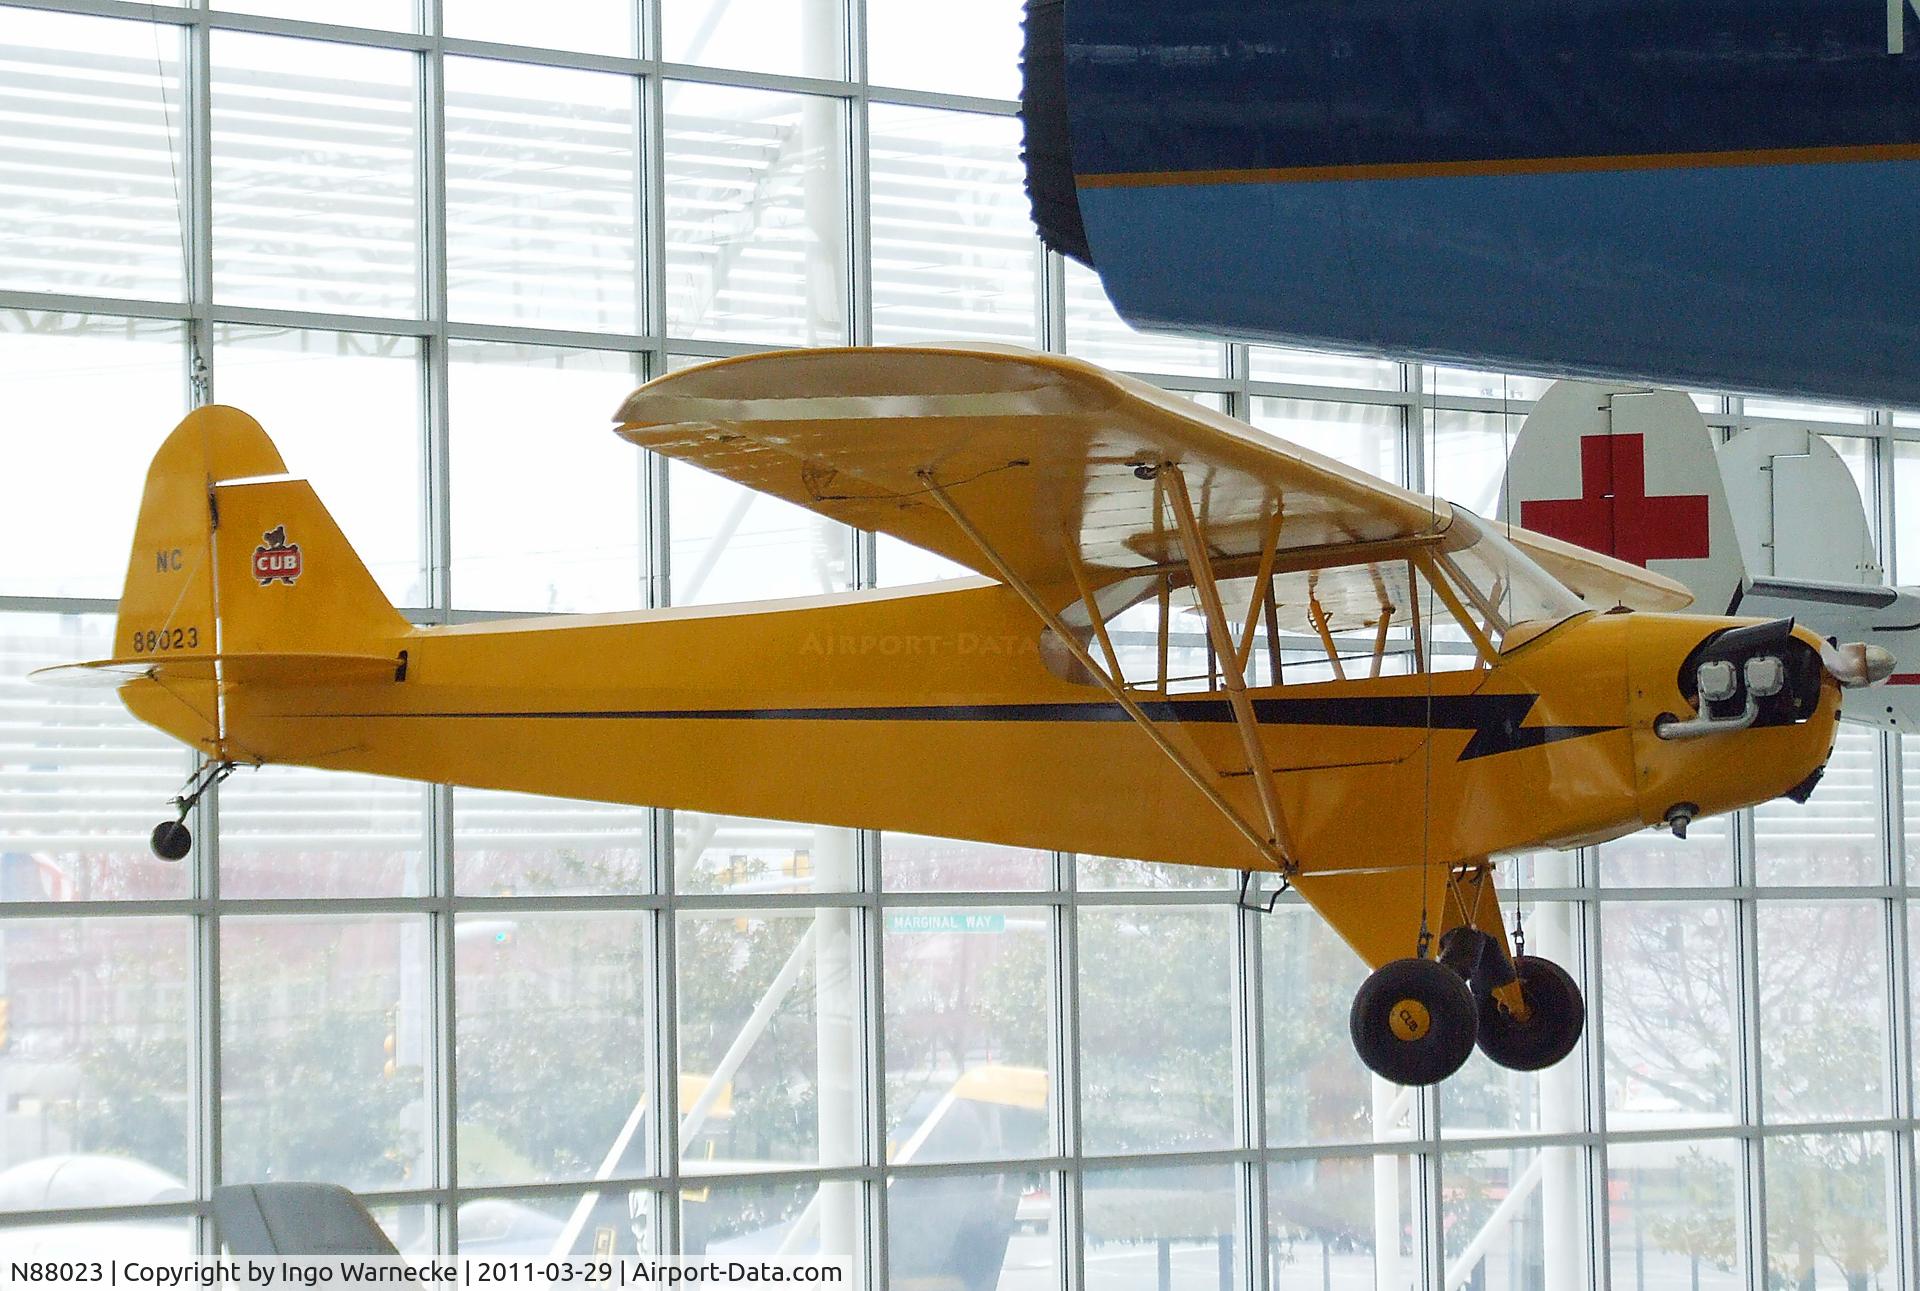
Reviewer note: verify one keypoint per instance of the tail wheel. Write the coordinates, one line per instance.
(1556, 1012)
(171, 840)
(1413, 1021)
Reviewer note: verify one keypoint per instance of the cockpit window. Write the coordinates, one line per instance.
(1510, 598)
(1436, 605)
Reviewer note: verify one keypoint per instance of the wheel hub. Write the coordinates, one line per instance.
(1409, 1019)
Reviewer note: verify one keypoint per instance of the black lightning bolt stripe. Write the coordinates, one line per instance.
(1495, 720)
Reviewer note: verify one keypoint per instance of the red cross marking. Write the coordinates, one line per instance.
(1613, 513)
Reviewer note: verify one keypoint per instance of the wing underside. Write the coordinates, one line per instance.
(1052, 458)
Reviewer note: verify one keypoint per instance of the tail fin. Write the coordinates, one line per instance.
(1628, 472)
(238, 576)
(170, 575)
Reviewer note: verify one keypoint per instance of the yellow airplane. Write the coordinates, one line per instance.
(1193, 643)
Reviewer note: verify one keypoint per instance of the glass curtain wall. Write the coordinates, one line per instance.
(431, 248)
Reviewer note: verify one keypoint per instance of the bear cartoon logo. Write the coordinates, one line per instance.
(276, 559)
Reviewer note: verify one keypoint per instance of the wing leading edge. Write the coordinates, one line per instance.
(1050, 456)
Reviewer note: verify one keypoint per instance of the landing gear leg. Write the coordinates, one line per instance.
(1530, 1009)
(1416, 1020)
(172, 840)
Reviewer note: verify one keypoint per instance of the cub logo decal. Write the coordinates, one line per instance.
(276, 559)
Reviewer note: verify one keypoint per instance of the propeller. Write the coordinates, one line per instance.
(1856, 663)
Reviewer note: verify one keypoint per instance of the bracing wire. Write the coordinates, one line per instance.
(1429, 429)
(198, 386)
(1506, 482)
(175, 144)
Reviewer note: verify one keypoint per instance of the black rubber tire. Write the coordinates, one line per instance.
(1556, 1014)
(171, 840)
(1447, 1038)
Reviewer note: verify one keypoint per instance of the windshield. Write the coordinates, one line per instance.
(1509, 597)
(1429, 604)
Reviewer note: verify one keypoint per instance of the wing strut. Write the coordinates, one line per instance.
(1271, 849)
(1200, 563)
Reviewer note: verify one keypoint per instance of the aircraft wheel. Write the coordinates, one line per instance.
(1413, 1021)
(1556, 1012)
(171, 840)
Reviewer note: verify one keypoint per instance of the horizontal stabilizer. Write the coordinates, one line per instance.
(287, 669)
(1842, 594)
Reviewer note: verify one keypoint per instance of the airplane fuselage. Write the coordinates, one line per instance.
(930, 710)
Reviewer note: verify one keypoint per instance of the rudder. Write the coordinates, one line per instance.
(288, 580)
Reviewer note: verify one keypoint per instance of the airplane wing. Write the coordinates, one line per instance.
(1052, 458)
(1601, 580)
(1042, 451)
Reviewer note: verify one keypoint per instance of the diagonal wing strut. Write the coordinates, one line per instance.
(1200, 563)
(1275, 845)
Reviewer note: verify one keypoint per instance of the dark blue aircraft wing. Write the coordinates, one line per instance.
(1720, 193)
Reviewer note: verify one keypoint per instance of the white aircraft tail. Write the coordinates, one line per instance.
(1771, 525)
(1797, 508)
(1629, 472)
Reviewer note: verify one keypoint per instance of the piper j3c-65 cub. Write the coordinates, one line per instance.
(1211, 648)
